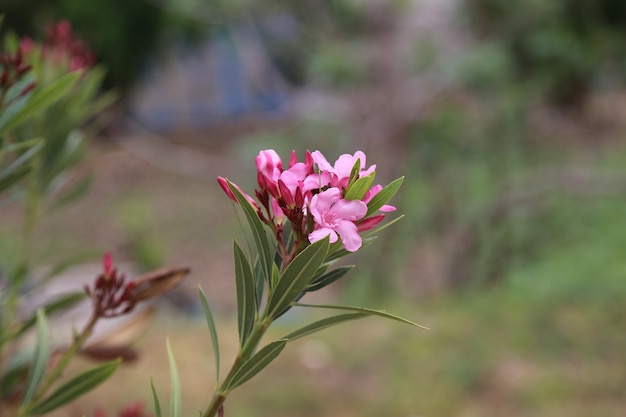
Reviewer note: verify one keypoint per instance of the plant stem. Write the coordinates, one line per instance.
(245, 353)
(55, 373)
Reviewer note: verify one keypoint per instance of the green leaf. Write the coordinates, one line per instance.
(340, 252)
(175, 401)
(246, 298)
(383, 196)
(76, 387)
(18, 168)
(297, 276)
(59, 304)
(155, 397)
(381, 313)
(213, 331)
(264, 250)
(354, 172)
(370, 233)
(74, 193)
(12, 110)
(329, 278)
(42, 99)
(256, 363)
(40, 359)
(359, 188)
(323, 324)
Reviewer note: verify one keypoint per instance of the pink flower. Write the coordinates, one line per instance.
(269, 164)
(340, 172)
(334, 215)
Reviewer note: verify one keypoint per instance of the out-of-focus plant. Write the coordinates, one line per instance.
(561, 48)
(124, 48)
(47, 94)
(304, 220)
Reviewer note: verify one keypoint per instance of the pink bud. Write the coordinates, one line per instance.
(107, 263)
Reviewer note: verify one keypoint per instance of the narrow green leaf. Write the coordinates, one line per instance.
(20, 161)
(40, 359)
(42, 99)
(246, 301)
(74, 193)
(340, 252)
(263, 247)
(62, 303)
(175, 400)
(329, 278)
(155, 398)
(359, 188)
(297, 276)
(383, 196)
(354, 172)
(370, 233)
(256, 363)
(213, 331)
(323, 324)
(259, 282)
(12, 110)
(76, 387)
(381, 313)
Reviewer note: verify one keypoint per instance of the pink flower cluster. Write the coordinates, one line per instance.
(62, 47)
(311, 195)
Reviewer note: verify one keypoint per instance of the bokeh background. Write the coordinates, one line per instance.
(508, 121)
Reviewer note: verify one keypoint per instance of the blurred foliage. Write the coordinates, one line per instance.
(562, 48)
(124, 34)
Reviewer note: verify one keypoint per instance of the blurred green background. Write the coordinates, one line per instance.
(508, 120)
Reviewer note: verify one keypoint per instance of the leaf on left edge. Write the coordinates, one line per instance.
(40, 359)
(76, 387)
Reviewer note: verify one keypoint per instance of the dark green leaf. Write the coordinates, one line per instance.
(213, 331)
(354, 172)
(175, 400)
(40, 359)
(255, 364)
(246, 301)
(155, 397)
(383, 196)
(328, 278)
(381, 313)
(323, 324)
(42, 99)
(263, 247)
(297, 276)
(76, 387)
(359, 188)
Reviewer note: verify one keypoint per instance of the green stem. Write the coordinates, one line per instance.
(57, 371)
(245, 353)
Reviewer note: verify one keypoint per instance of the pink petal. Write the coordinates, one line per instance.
(387, 208)
(321, 161)
(349, 209)
(349, 235)
(321, 234)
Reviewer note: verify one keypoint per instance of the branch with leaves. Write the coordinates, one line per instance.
(305, 219)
